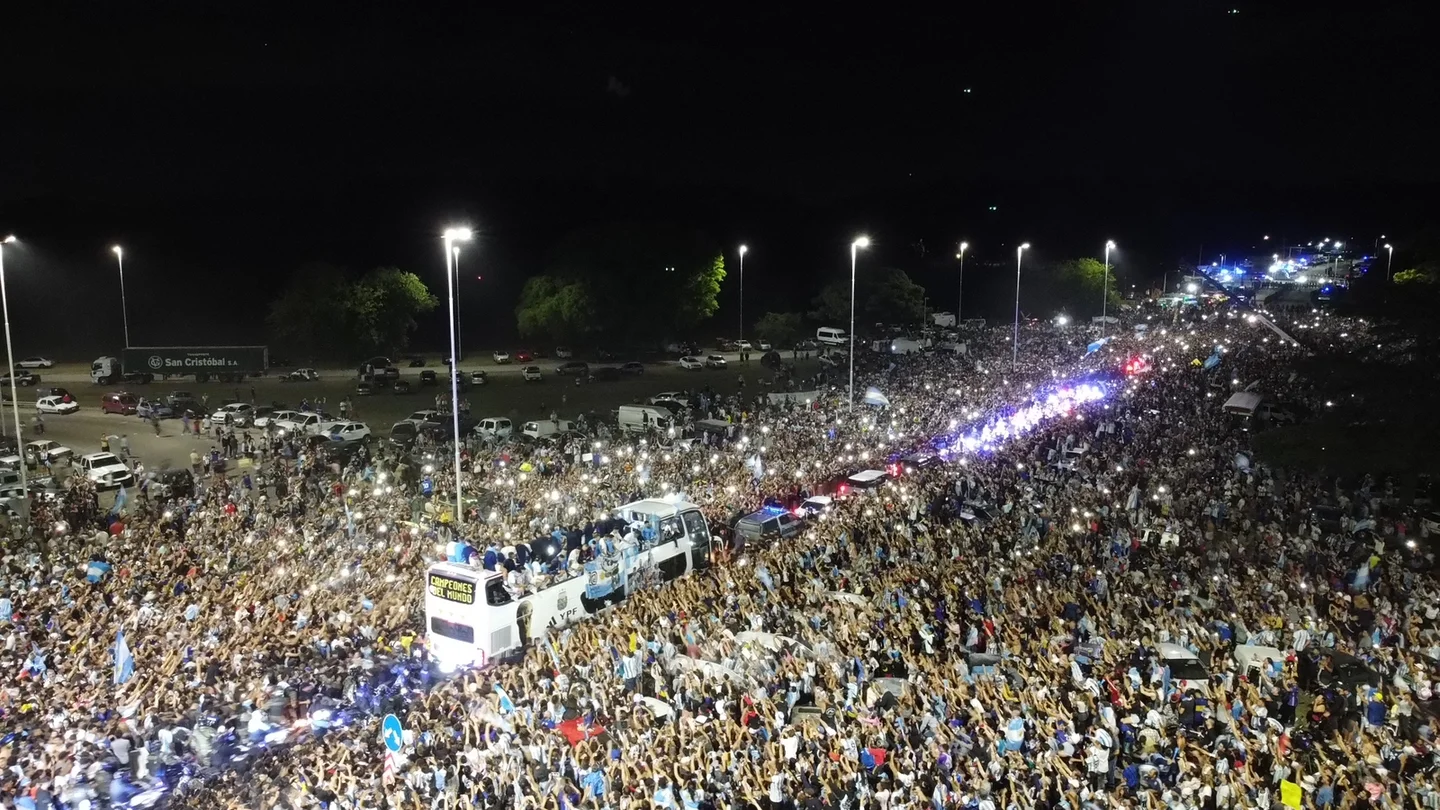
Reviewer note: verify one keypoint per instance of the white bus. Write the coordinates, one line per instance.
(471, 617)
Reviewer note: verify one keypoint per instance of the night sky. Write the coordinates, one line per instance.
(227, 144)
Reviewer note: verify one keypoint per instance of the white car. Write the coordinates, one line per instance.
(432, 417)
(670, 396)
(47, 451)
(346, 431)
(563, 352)
(532, 374)
(262, 420)
(300, 423)
(97, 466)
(56, 405)
(743, 346)
(240, 414)
(691, 363)
(496, 427)
(714, 361)
(36, 362)
(303, 375)
(765, 346)
(503, 358)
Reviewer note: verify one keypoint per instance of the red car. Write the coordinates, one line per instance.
(119, 402)
(524, 356)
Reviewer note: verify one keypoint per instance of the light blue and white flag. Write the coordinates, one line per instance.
(121, 498)
(124, 661)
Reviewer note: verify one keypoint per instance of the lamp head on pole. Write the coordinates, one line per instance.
(963, 247)
(1388, 246)
(862, 242)
(10, 240)
(458, 234)
(1110, 245)
(1021, 249)
(117, 250)
(744, 250)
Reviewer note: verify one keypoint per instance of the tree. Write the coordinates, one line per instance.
(551, 308)
(1418, 275)
(779, 328)
(323, 314)
(595, 278)
(886, 295)
(1071, 285)
(310, 315)
(383, 305)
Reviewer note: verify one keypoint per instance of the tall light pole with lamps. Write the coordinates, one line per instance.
(453, 235)
(1389, 262)
(10, 357)
(862, 242)
(1105, 285)
(124, 313)
(743, 251)
(960, 296)
(1015, 348)
(459, 344)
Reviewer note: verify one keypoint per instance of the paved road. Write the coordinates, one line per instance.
(505, 395)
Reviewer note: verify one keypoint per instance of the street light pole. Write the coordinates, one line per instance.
(1015, 346)
(855, 246)
(743, 251)
(124, 313)
(1105, 285)
(1389, 262)
(453, 235)
(459, 343)
(14, 395)
(960, 297)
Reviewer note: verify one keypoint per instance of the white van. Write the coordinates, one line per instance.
(496, 426)
(831, 336)
(1243, 404)
(905, 346)
(640, 418)
(547, 427)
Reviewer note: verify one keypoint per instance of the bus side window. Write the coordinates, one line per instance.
(695, 528)
(495, 593)
(671, 530)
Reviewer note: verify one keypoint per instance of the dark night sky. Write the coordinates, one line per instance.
(227, 144)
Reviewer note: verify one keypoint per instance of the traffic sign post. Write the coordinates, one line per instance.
(392, 733)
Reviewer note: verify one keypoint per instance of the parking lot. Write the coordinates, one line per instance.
(505, 394)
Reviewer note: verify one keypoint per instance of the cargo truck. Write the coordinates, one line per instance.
(204, 363)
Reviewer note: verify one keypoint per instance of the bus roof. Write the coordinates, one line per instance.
(475, 572)
(657, 507)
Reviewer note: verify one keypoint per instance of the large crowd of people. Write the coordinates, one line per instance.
(1122, 607)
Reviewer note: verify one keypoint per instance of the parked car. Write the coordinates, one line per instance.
(770, 522)
(417, 362)
(47, 451)
(23, 377)
(632, 368)
(172, 483)
(532, 374)
(478, 378)
(98, 466)
(495, 427)
(270, 417)
(137, 377)
(502, 358)
(364, 388)
(690, 363)
(401, 386)
(302, 375)
(428, 416)
(714, 361)
(743, 346)
(428, 377)
(523, 356)
(148, 408)
(301, 423)
(347, 431)
(765, 346)
(604, 373)
(563, 352)
(56, 405)
(404, 433)
(238, 414)
(36, 361)
(574, 367)
(119, 402)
